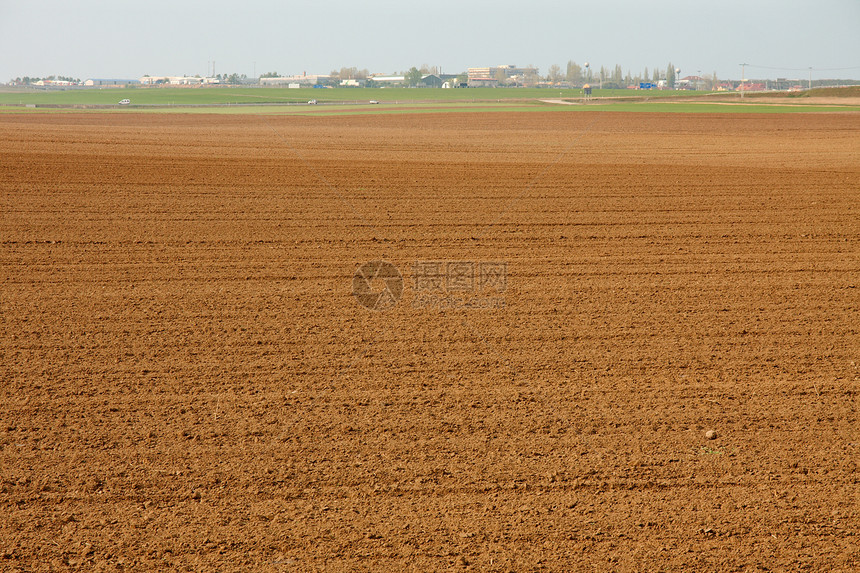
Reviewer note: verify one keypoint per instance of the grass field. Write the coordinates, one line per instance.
(352, 101)
(361, 108)
(204, 96)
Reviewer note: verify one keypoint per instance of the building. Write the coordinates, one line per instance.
(427, 81)
(114, 83)
(502, 75)
(54, 83)
(304, 79)
(690, 83)
(172, 80)
(431, 81)
(377, 81)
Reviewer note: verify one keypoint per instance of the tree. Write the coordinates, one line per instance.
(617, 76)
(574, 73)
(656, 76)
(413, 77)
(267, 75)
(531, 76)
(501, 76)
(670, 76)
(463, 78)
(352, 73)
(554, 76)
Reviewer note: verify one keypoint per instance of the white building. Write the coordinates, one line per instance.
(501, 75)
(387, 80)
(304, 79)
(53, 83)
(109, 82)
(176, 80)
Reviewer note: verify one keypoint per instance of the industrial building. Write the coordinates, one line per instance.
(304, 79)
(109, 82)
(427, 80)
(177, 80)
(500, 75)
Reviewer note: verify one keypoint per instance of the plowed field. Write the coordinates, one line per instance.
(187, 381)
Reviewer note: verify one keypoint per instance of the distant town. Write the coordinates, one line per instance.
(573, 77)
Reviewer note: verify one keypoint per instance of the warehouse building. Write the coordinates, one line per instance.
(427, 81)
(304, 79)
(104, 82)
(500, 75)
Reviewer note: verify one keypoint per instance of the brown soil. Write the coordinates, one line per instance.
(778, 99)
(188, 382)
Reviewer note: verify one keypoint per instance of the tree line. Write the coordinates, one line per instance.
(27, 80)
(577, 75)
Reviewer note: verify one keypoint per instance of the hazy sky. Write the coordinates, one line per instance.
(122, 39)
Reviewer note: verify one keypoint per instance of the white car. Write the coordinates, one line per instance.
(124, 101)
(373, 101)
(312, 102)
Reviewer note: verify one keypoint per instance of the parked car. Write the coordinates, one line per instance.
(124, 101)
(312, 102)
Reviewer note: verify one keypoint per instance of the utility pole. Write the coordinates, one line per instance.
(743, 66)
(810, 77)
(585, 81)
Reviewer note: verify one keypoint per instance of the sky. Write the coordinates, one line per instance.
(123, 39)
